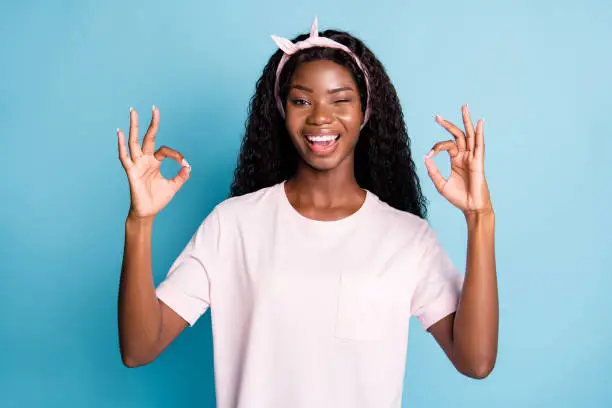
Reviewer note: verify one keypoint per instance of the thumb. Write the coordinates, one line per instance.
(180, 179)
(434, 173)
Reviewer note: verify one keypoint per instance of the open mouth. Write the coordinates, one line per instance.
(322, 143)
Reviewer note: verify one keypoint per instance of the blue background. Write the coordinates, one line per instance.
(538, 72)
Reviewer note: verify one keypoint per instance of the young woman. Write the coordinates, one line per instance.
(314, 266)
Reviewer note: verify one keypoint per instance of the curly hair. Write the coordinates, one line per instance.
(383, 162)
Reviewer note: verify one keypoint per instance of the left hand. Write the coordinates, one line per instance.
(466, 187)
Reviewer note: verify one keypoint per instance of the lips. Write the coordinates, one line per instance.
(322, 142)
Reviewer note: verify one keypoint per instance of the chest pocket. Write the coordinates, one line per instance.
(364, 307)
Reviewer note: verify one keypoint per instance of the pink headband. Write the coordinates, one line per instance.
(314, 40)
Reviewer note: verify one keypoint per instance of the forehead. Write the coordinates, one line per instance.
(323, 73)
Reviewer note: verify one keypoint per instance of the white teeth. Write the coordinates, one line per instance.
(329, 138)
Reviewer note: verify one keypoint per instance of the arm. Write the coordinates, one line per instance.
(146, 325)
(469, 336)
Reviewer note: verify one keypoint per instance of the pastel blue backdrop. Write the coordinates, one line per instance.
(537, 71)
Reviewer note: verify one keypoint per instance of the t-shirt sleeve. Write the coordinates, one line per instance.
(186, 287)
(438, 290)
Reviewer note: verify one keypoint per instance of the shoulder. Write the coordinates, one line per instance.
(386, 214)
(401, 229)
(398, 227)
(247, 206)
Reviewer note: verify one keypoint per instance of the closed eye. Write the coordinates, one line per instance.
(343, 100)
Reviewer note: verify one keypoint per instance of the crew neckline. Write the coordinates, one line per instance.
(331, 224)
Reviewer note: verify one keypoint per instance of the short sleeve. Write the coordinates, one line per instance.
(186, 287)
(439, 288)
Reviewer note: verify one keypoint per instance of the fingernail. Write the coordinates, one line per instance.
(438, 117)
(131, 109)
(428, 156)
(153, 107)
(185, 163)
(117, 130)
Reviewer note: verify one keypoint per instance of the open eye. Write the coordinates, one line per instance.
(299, 102)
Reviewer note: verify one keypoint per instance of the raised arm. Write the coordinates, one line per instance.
(469, 337)
(146, 325)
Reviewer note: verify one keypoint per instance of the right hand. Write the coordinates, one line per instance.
(150, 192)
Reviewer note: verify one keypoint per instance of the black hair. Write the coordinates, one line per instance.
(383, 162)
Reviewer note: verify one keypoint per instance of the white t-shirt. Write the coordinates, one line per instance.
(310, 313)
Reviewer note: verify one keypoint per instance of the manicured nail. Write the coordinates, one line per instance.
(117, 130)
(153, 107)
(438, 117)
(431, 152)
(131, 109)
(185, 163)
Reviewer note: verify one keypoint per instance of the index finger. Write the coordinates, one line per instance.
(453, 130)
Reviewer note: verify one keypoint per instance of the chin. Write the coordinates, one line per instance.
(327, 163)
(322, 165)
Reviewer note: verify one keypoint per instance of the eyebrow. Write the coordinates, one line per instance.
(330, 91)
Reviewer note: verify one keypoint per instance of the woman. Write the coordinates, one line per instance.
(314, 266)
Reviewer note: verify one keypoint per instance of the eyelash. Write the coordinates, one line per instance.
(298, 102)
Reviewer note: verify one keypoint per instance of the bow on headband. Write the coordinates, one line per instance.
(314, 40)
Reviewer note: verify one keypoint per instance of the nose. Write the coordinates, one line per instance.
(320, 115)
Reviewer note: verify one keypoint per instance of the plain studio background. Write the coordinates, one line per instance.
(538, 72)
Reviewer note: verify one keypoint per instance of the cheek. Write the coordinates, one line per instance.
(290, 119)
(293, 124)
(351, 117)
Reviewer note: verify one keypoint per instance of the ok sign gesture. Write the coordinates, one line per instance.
(150, 192)
(466, 187)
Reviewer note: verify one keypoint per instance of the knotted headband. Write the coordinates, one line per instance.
(314, 40)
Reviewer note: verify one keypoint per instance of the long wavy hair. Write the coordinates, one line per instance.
(383, 162)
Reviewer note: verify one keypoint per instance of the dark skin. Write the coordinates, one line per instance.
(323, 99)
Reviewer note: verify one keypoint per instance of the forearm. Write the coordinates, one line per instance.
(475, 329)
(139, 310)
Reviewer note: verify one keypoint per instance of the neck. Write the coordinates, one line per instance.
(325, 188)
